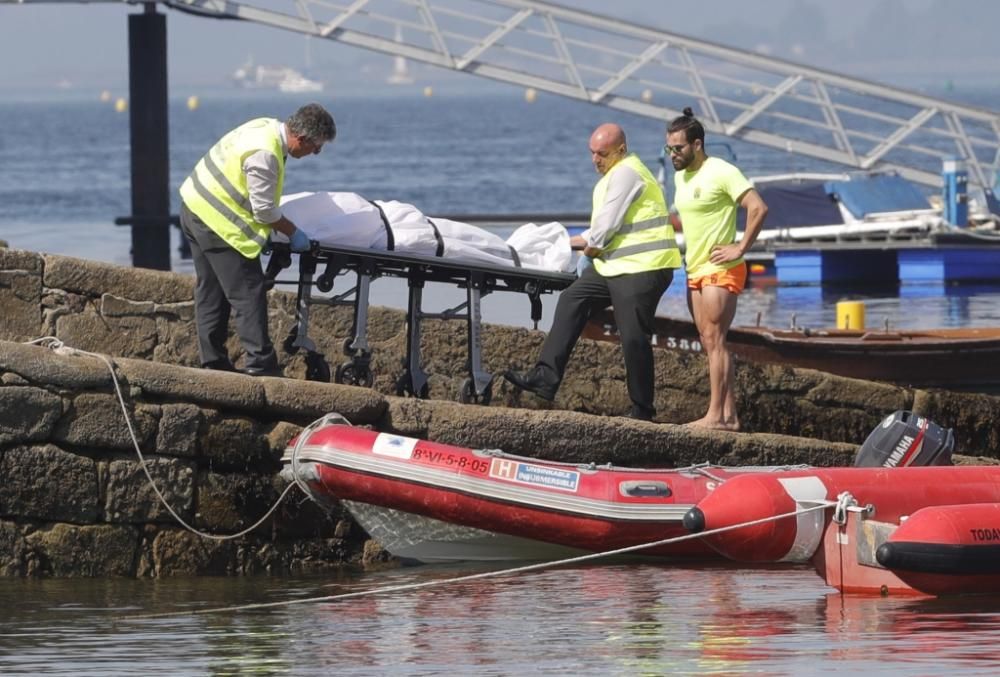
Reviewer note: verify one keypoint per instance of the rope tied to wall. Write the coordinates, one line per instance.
(58, 347)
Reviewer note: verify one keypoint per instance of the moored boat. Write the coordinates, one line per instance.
(958, 358)
(912, 530)
(428, 501)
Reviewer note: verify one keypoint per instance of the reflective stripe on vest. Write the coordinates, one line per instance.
(645, 241)
(216, 191)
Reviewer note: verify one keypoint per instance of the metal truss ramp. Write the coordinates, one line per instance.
(855, 123)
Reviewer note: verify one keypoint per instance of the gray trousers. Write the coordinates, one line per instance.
(634, 298)
(227, 281)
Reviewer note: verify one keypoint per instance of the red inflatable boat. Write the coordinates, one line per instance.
(923, 530)
(434, 502)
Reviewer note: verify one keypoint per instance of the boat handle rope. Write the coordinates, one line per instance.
(818, 505)
(58, 347)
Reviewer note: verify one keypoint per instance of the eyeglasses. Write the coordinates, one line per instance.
(678, 149)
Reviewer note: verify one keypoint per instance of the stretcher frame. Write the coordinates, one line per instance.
(477, 279)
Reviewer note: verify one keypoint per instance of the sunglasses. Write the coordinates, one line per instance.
(678, 149)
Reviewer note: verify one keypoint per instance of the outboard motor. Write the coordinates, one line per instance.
(906, 439)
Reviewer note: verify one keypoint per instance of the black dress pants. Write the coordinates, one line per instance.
(634, 297)
(227, 281)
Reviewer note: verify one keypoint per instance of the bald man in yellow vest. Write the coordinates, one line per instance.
(631, 242)
(231, 203)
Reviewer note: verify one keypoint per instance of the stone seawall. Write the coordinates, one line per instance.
(149, 315)
(75, 501)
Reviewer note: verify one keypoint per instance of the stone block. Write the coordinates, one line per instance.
(20, 305)
(89, 550)
(97, 420)
(235, 444)
(554, 435)
(202, 386)
(180, 553)
(177, 433)
(126, 336)
(93, 278)
(21, 260)
(13, 550)
(47, 483)
(228, 503)
(279, 436)
(27, 414)
(306, 401)
(971, 416)
(131, 498)
(176, 342)
(43, 366)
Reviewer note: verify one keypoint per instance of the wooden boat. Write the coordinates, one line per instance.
(956, 359)
(428, 502)
(912, 530)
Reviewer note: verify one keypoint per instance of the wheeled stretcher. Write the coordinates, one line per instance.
(323, 264)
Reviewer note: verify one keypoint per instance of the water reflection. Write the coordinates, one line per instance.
(629, 618)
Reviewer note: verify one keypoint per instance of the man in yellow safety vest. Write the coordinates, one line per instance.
(231, 203)
(631, 242)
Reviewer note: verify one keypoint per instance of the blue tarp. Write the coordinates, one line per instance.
(795, 203)
(879, 193)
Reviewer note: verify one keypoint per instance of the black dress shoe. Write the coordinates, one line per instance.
(533, 381)
(639, 415)
(219, 365)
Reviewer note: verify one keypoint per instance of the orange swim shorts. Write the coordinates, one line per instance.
(733, 279)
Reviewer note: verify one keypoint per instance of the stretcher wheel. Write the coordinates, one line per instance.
(324, 283)
(316, 368)
(467, 393)
(352, 374)
(289, 343)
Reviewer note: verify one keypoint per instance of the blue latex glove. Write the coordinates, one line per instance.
(582, 264)
(299, 241)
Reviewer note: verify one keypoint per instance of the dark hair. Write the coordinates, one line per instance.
(313, 122)
(689, 124)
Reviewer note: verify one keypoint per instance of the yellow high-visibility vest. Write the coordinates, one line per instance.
(216, 191)
(645, 240)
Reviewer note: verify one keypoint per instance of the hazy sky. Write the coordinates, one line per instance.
(903, 42)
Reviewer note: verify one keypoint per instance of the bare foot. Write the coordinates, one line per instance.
(715, 424)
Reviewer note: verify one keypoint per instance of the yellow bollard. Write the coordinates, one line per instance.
(850, 315)
(121, 105)
(193, 103)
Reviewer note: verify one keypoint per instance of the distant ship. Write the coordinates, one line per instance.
(400, 73)
(295, 82)
(282, 78)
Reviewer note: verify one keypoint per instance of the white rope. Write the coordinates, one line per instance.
(58, 347)
(489, 574)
